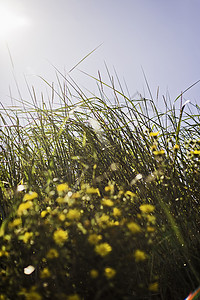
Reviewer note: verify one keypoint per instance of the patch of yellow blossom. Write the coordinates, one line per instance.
(16, 222)
(62, 188)
(23, 207)
(116, 212)
(27, 236)
(107, 202)
(30, 196)
(131, 194)
(45, 273)
(176, 147)
(154, 134)
(159, 152)
(134, 227)
(91, 190)
(151, 219)
(153, 287)
(44, 213)
(94, 238)
(140, 255)
(52, 253)
(60, 236)
(73, 214)
(94, 273)
(195, 152)
(60, 200)
(109, 273)
(147, 208)
(3, 252)
(103, 249)
(150, 229)
(61, 217)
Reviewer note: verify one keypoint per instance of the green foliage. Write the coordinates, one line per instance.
(99, 200)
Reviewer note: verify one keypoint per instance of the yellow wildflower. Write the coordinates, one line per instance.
(61, 217)
(94, 273)
(116, 212)
(131, 194)
(154, 134)
(109, 273)
(22, 209)
(195, 152)
(91, 190)
(176, 147)
(94, 238)
(159, 152)
(150, 229)
(30, 196)
(73, 214)
(153, 287)
(3, 252)
(60, 200)
(103, 219)
(147, 208)
(2, 297)
(45, 273)
(27, 236)
(62, 188)
(74, 297)
(140, 255)
(43, 213)
(134, 227)
(103, 249)
(52, 253)
(60, 236)
(16, 222)
(151, 219)
(107, 202)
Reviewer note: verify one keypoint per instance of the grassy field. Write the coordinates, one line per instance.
(99, 197)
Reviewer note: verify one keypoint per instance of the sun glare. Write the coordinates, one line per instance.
(11, 21)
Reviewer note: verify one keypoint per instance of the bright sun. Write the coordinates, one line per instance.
(10, 22)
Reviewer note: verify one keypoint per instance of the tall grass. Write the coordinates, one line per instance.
(124, 150)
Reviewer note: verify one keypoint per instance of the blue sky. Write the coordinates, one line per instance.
(161, 36)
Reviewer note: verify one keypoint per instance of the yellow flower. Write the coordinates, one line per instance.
(30, 196)
(151, 219)
(60, 200)
(27, 236)
(45, 273)
(3, 252)
(103, 249)
(109, 273)
(62, 188)
(176, 147)
(150, 229)
(94, 238)
(140, 255)
(134, 227)
(107, 202)
(2, 297)
(153, 287)
(52, 253)
(94, 273)
(103, 219)
(116, 212)
(60, 236)
(147, 208)
(154, 134)
(131, 194)
(16, 222)
(74, 297)
(73, 214)
(195, 152)
(22, 209)
(91, 190)
(159, 152)
(61, 217)
(43, 213)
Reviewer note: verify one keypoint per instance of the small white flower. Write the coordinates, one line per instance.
(29, 270)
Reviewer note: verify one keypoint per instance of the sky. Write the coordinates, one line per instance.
(157, 36)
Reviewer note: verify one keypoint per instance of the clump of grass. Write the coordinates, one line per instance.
(101, 195)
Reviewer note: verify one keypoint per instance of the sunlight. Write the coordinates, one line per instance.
(10, 22)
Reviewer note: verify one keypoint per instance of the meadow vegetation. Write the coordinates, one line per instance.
(99, 197)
